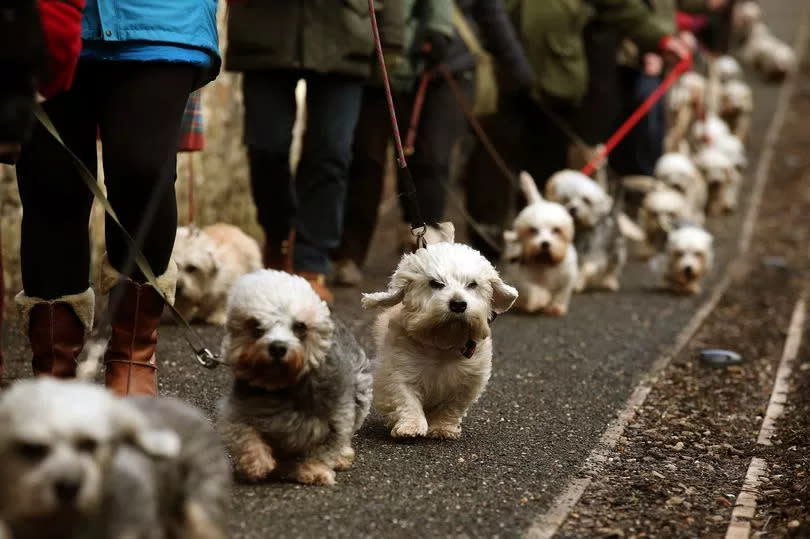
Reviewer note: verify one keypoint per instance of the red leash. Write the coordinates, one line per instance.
(637, 115)
(416, 113)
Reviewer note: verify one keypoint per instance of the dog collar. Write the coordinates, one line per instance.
(469, 349)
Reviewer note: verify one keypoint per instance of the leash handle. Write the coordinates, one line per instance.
(637, 115)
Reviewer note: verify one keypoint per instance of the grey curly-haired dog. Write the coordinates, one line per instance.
(77, 462)
(302, 384)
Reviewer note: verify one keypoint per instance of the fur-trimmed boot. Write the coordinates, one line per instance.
(129, 361)
(57, 330)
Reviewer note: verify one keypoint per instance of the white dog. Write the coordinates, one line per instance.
(661, 211)
(77, 462)
(677, 171)
(689, 256)
(727, 69)
(540, 256)
(600, 245)
(723, 179)
(434, 340)
(209, 261)
(302, 383)
(771, 56)
(736, 105)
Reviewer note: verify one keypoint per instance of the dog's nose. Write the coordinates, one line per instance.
(689, 272)
(178, 287)
(545, 246)
(458, 305)
(67, 490)
(277, 349)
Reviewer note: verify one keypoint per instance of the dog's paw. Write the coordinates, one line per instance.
(315, 473)
(611, 282)
(409, 428)
(255, 464)
(444, 432)
(556, 310)
(345, 460)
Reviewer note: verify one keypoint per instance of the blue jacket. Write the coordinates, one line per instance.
(187, 23)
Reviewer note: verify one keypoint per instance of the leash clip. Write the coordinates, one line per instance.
(420, 237)
(207, 358)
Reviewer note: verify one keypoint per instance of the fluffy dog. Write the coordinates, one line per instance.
(433, 338)
(540, 256)
(599, 242)
(661, 211)
(723, 179)
(77, 462)
(727, 69)
(736, 105)
(209, 260)
(302, 384)
(771, 56)
(685, 102)
(677, 171)
(689, 256)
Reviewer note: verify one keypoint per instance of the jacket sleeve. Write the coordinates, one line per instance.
(633, 19)
(392, 25)
(438, 16)
(501, 40)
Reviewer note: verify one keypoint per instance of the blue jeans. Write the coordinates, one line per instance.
(314, 204)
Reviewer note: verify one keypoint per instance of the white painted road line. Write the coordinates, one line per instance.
(781, 385)
(549, 522)
(746, 506)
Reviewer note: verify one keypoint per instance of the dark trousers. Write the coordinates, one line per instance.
(137, 109)
(528, 140)
(314, 204)
(640, 150)
(441, 124)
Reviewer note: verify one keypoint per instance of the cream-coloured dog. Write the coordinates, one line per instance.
(689, 256)
(434, 341)
(209, 260)
(722, 177)
(661, 211)
(540, 256)
(677, 171)
(736, 105)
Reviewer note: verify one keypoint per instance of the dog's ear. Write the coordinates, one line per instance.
(503, 295)
(134, 429)
(406, 272)
(446, 231)
(640, 184)
(529, 188)
(386, 299)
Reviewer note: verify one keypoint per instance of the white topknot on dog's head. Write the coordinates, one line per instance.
(677, 171)
(57, 442)
(196, 264)
(447, 293)
(278, 329)
(585, 200)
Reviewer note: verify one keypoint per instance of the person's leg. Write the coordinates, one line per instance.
(56, 304)
(441, 125)
(140, 116)
(544, 149)
(365, 178)
(333, 106)
(269, 118)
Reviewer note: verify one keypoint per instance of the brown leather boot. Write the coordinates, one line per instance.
(57, 330)
(280, 256)
(129, 361)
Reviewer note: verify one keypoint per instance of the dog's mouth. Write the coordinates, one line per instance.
(266, 373)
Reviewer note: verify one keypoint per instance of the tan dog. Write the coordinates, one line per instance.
(209, 261)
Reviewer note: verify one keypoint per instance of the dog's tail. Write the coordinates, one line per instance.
(529, 188)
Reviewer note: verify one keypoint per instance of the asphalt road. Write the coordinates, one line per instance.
(555, 386)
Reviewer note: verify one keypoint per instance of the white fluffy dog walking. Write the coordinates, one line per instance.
(689, 256)
(540, 256)
(434, 340)
(209, 261)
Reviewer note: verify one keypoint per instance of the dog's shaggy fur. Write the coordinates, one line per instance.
(677, 171)
(77, 462)
(302, 382)
(209, 261)
(689, 256)
(540, 256)
(433, 339)
(722, 177)
(661, 211)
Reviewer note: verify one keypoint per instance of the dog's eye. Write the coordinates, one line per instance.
(436, 285)
(473, 285)
(254, 327)
(300, 329)
(191, 268)
(32, 451)
(679, 254)
(533, 230)
(586, 200)
(86, 445)
(556, 230)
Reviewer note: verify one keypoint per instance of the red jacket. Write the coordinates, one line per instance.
(62, 25)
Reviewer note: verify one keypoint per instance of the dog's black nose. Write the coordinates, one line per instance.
(545, 246)
(67, 490)
(277, 350)
(573, 211)
(178, 288)
(689, 272)
(458, 305)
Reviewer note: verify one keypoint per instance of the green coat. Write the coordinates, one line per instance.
(327, 36)
(551, 32)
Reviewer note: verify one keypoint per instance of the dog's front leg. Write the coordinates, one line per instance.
(559, 302)
(532, 298)
(445, 424)
(408, 417)
(253, 457)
